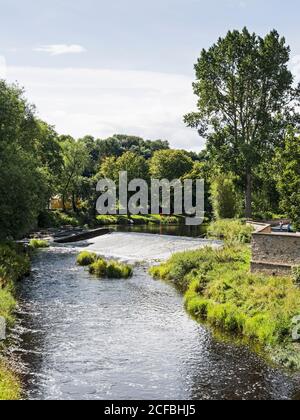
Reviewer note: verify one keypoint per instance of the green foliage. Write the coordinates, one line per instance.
(104, 269)
(220, 290)
(296, 275)
(225, 200)
(38, 243)
(245, 92)
(75, 159)
(231, 231)
(170, 164)
(8, 305)
(58, 219)
(288, 176)
(10, 388)
(99, 268)
(86, 258)
(25, 164)
(14, 263)
(136, 167)
(117, 270)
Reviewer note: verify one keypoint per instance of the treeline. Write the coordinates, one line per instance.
(37, 164)
(248, 112)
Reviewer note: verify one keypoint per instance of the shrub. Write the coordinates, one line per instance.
(56, 219)
(86, 258)
(14, 262)
(116, 270)
(231, 231)
(38, 243)
(296, 275)
(99, 268)
(224, 197)
(111, 269)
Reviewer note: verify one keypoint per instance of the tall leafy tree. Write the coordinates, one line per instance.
(75, 157)
(287, 167)
(245, 101)
(22, 181)
(170, 164)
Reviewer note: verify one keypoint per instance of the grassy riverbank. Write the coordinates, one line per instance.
(57, 219)
(14, 264)
(220, 290)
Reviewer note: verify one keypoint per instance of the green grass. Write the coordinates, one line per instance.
(10, 389)
(117, 270)
(99, 268)
(138, 220)
(86, 258)
(38, 243)
(220, 290)
(8, 304)
(14, 264)
(105, 269)
(231, 231)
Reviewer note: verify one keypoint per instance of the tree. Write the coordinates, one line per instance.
(75, 156)
(22, 182)
(49, 153)
(245, 102)
(170, 164)
(120, 144)
(135, 166)
(224, 197)
(287, 164)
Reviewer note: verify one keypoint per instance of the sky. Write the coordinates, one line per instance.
(103, 67)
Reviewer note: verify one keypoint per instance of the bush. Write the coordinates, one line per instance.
(224, 197)
(116, 270)
(14, 263)
(99, 268)
(57, 219)
(231, 231)
(296, 275)
(86, 258)
(38, 243)
(111, 269)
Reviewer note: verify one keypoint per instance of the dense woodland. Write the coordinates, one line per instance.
(247, 112)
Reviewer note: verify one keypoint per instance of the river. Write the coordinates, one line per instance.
(83, 338)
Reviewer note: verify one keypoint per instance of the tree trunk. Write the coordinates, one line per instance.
(64, 202)
(248, 212)
(74, 203)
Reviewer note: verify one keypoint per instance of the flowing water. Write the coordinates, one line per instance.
(83, 338)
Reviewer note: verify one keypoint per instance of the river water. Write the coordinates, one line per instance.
(83, 338)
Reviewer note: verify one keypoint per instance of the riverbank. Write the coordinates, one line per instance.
(57, 219)
(14, 264)
(220, 290)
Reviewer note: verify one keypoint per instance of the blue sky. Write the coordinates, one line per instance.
(101, 67)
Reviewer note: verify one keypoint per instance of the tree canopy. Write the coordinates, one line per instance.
(246, 99)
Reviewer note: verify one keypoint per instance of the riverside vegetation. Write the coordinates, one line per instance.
(104, 269)
(220, 290)
(14, 264)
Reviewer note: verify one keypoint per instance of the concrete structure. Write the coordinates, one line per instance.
(274, 253)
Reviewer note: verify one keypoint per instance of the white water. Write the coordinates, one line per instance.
(143, 247)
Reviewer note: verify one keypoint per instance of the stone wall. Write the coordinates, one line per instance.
(275, 253)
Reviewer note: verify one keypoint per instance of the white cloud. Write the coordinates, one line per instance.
(105, 102)
(295, 67)
(3, 67)
(61, 49)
